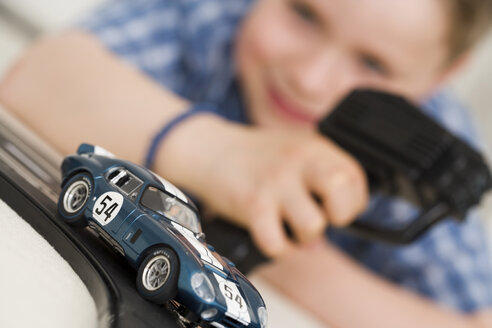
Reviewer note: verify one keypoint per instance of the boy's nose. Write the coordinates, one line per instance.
(322, 77)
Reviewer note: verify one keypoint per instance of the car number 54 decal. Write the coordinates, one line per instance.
(107, 206)
(236, 305)
(233, 295)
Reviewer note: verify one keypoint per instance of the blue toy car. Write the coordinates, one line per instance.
(157, 228)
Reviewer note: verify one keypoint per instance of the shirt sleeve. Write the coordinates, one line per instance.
(447, 110)
(451, 263)
(185, 45)
(145, 33)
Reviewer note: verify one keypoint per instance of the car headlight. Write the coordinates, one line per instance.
(262, 316)
(209, 313)
(202, 286)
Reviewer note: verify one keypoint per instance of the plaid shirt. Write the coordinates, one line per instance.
(187, 46)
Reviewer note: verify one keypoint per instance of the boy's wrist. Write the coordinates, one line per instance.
(170, 125)
(192, 147)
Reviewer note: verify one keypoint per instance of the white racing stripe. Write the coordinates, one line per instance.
(205, 253)
(172, 189)
(237, 308)
(103, 152)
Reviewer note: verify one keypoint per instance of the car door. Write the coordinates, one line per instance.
(147, 225)
(113, 207)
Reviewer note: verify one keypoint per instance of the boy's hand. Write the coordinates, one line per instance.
(261, 179)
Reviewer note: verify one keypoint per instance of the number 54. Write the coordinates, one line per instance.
(230, 294)
(110, 207)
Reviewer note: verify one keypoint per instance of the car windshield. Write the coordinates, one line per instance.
(171, 207)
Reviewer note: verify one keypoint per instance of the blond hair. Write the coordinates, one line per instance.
(470, 20)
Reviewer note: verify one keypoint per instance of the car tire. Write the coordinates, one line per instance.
(157, 278)
(74, 198)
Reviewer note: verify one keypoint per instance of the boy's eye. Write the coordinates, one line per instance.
(304, 11)
(373, 64)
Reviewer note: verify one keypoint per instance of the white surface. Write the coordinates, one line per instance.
(11, 44)
(282, 313)
(37, 287)
(49, 15)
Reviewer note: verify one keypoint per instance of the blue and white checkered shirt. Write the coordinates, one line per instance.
(187, 46)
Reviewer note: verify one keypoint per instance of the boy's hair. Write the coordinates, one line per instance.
(469, 21)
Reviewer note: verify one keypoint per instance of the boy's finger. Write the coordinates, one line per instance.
(342, 189)
(268, 233)
(302, 214)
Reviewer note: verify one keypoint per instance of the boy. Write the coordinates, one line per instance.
(289, 63)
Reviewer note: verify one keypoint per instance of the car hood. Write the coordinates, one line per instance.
(226, 274)
(206, 253)
(252, 297)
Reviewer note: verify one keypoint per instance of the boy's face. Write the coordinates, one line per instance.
(298, 58)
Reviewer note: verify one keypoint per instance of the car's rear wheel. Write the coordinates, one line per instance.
(74, 198)
(157, 277)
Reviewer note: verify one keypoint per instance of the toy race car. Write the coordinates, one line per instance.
(157, 229)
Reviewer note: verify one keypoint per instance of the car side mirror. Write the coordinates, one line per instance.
(201, 237)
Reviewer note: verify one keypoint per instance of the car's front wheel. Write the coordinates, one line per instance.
(74, 198)
(157, 277)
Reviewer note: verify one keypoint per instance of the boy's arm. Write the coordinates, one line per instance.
(343, 294)
(69, 89)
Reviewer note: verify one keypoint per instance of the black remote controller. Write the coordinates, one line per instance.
(404, 153)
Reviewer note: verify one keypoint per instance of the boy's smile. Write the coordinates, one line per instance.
(288, 109)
